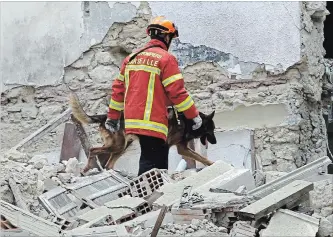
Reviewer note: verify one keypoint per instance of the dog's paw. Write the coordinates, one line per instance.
(85, 169)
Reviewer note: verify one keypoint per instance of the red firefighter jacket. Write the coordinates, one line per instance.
(145, 87)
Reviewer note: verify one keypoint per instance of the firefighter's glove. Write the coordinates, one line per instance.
(112, 125)
(197, 122)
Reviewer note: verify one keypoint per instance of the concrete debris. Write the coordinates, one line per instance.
(117, 215)
(144, 185)
(325, 228)
(136, 204)
(60, 202)
(16, 233)
(231, 181)
(15, 155)
(321, 197)
(172, 192)
(28, 221)
(113, 231)
(242, 228)
(311, 172)
(204, 227)
(288, 223)
(287, 195)
(17, 194)
(272, 175)
(73, 166)
(38, 161)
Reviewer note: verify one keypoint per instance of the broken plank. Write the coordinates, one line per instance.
(284, 196)
(17, 194)
(71, 143)
(46, 128)
(159, 221)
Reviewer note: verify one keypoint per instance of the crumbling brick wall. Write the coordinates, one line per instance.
(283, 148)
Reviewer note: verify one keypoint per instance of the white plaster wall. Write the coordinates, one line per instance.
(39, 38)
(261, 32)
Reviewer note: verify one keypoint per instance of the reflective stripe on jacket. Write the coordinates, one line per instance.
(145, 87)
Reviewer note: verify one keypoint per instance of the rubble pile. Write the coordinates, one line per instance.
(197, 227)
(219, 200)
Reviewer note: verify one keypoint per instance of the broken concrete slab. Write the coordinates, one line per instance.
(147, 220)
(27, 221)
(172, 192)
(126, 201)
(309, 172)
(103, 220)
(219, 201)
(116, 213)
(284, 196)
(139, 205)
(242, 228)
(16, 233)
(114, 230)
(17, 194)
(231, 181)
(288, 223)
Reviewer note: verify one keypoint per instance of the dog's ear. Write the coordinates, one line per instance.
(203, 140)
(211, 138)
(211, 116)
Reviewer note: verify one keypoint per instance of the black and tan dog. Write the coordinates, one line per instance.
(115, 144)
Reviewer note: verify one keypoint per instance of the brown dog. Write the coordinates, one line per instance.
(115, 144)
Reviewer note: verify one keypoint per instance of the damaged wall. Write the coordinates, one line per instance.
(276, 62)
(39, 35)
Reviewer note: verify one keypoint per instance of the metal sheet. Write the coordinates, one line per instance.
(71, 143)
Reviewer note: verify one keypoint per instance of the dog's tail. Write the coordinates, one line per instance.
(79, 113)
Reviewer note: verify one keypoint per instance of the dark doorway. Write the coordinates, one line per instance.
(328, 31)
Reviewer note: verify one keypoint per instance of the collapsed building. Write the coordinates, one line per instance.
(263, 70)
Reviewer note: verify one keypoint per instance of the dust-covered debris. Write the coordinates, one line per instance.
(201, 226)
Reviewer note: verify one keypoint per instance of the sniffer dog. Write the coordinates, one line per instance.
(180, 132)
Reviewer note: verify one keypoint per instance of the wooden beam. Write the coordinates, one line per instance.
(159, 221)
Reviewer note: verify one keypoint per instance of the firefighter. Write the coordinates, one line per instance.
(149, 81)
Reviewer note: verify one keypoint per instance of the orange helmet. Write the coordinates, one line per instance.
(163, 25)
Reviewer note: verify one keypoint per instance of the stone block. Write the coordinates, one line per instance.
(288, 223)
(242, 228)
(284, 196)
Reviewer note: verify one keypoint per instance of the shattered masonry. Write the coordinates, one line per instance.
(210, 81)
(95, 205)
